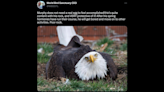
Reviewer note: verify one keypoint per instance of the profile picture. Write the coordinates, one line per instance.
(40, 4)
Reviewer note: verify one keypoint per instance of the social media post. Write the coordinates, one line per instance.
(81, 49)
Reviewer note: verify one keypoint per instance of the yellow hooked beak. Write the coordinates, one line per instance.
(92, 58)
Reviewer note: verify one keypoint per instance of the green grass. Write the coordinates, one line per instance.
(108, 50)
(41, 81)
(43, 58)
(101, 85)
(123, 47)
(103, 41)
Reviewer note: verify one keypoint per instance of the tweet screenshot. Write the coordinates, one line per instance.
(82, 46)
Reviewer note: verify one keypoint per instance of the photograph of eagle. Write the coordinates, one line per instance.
(78, 61)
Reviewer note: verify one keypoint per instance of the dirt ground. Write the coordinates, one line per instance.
(41, 70)
(122, 71)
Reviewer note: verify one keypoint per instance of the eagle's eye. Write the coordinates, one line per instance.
(86, 58)
(95, 55)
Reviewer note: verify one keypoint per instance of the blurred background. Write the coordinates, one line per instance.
(49, 34)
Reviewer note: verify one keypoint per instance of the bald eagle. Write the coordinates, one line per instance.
(78, 61)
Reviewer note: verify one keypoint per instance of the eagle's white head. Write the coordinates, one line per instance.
(90, 65)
